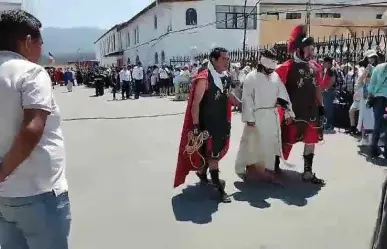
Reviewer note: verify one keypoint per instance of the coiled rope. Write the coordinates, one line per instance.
(194, 145)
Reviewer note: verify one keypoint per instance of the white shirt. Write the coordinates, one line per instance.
(163, 73)
(25, 85)
(138, 73)
(125, 75)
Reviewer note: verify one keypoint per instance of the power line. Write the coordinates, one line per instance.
(279, 11)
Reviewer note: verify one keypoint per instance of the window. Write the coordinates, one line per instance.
(328, 15)
(379, 16)
(191, 17)
(155, 22)
(162, 57)
(233, 17)
(273, 14)
(136, 36)
(156, 58)
(292, 16)
(114, 42)
(128, 40)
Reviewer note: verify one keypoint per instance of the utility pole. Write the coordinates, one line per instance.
(307, 19)
(245, 17)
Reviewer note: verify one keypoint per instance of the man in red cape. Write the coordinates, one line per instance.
(208, 112)
(302, 121)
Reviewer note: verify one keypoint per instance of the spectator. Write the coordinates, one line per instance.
(126, 79)
(377, 99)
(366, 121)
(138, 77)
(351, 81)
(34, 202)
(329, 93)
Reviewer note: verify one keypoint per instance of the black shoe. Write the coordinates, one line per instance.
(202, 177)
(220, 186)
(308, 175)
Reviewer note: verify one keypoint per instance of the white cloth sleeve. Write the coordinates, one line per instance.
(36, 90)
(248, 100)
(283, 94)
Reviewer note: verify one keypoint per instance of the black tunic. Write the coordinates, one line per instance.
(213, 116)
(301, 86)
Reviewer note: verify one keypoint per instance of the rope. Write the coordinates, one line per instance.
(296, 121)
(313, 127)
(194, 145)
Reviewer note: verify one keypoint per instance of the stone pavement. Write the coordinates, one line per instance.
(121, 162)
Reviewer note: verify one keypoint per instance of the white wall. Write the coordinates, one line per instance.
(9, 5)
(153, 40)
(107, 47)
(179, 44)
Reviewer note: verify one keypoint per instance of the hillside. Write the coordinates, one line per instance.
(64, 43)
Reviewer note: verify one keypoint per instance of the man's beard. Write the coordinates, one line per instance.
(304, 56)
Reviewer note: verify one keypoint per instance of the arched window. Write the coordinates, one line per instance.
(162, 57)
(155, 22)
(137, 59)
(191, 17)
(156, 58)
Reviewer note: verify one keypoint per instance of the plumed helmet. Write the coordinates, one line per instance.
(299, 39)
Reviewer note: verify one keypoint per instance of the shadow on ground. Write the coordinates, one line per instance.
(196, 204)
(365, 151)
(295, 192)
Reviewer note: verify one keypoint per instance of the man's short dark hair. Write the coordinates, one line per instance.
(16, 25)
(217, 52)
(328, 59)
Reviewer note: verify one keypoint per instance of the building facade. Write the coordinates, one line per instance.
(328, 18)
(10, 4)
(172, 28)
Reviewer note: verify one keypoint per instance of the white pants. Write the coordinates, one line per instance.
(69, 86)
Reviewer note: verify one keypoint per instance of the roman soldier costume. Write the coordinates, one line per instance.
(301, 78)
(210, 138)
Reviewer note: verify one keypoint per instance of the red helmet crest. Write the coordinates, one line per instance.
(298, 38)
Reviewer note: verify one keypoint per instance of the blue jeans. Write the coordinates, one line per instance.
(35, 222)
(328, 99)
(379, 108)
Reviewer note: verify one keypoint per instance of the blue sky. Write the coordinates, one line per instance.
(86, 13)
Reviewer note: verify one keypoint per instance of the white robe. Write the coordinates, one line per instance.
(260, 144)
(366, 116)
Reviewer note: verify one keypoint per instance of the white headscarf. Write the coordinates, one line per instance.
(216, 76)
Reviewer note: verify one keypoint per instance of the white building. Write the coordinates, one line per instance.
(171, 28)
(10, 4)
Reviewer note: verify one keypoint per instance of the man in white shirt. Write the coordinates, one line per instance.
(34, 201)
(138, 77)
(126, 78)
(164, 80)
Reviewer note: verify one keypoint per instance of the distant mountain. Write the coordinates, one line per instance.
(64, 43)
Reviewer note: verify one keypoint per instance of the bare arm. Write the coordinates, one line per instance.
(235, 101)
(25, 141)
(200, 89)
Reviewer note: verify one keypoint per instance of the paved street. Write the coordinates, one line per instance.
(121, 162)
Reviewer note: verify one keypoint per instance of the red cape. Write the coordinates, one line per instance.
(184, 165)
(289, 131)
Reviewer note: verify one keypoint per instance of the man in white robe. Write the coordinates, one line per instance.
(260, 145)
